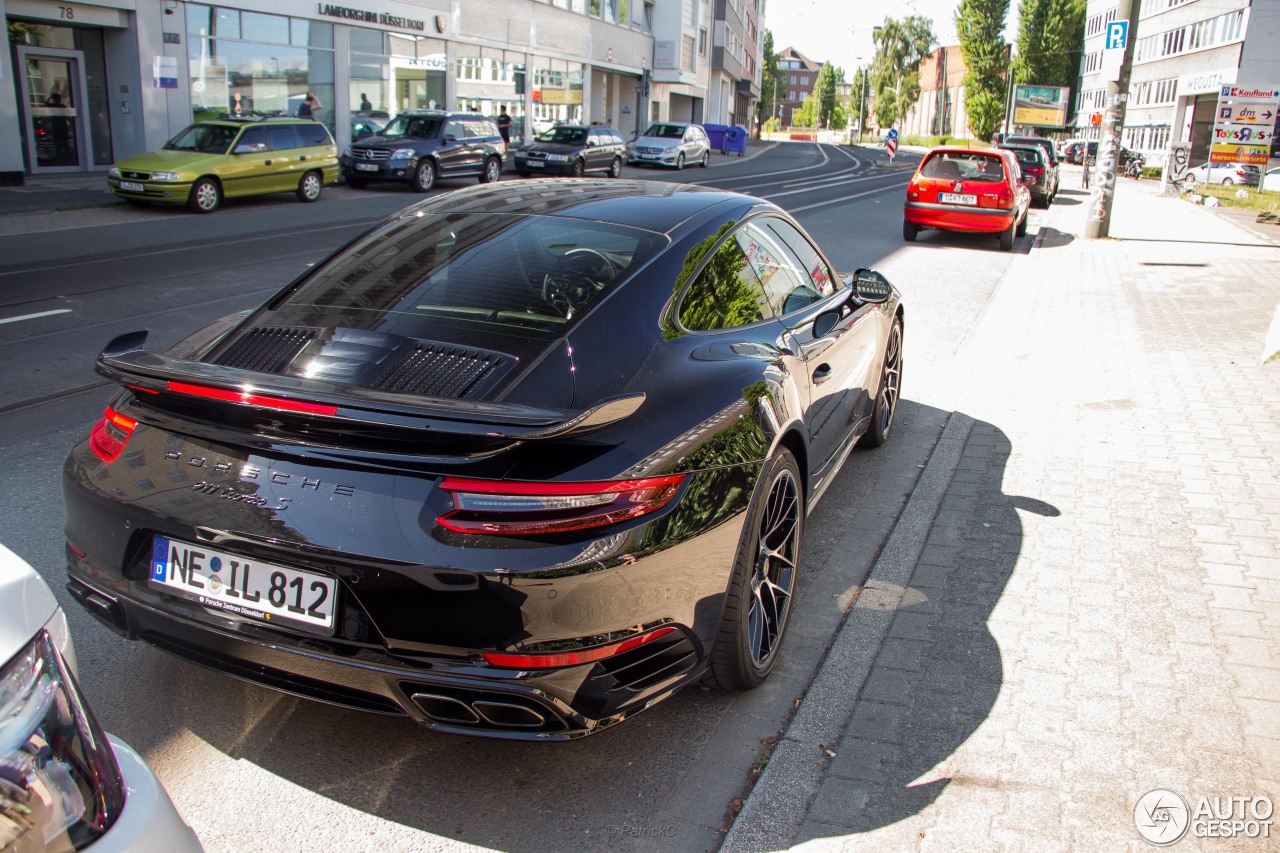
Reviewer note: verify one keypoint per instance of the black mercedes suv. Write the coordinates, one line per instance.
(419, 146)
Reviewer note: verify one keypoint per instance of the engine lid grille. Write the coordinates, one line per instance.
(269, 349)
(441, 370)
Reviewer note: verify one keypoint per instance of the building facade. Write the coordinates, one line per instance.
(85, 83)
(681, 60)
(939, 111)
(799, 74)
(735, 62)
(1184, 52)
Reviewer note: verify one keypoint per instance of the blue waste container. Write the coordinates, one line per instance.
(715, 135)
(735, 140)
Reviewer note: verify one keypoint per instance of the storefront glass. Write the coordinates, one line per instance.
(557, 93)
(249, 63)
(418, 70)
(490, 81)
(91, 118)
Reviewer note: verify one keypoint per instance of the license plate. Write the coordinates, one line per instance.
(957, 198)
(649, 156)
(366, 167)
(234, 584)
(131, 187)
(535, 164)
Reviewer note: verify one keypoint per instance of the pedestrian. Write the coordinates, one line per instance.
(310, 105)
(1088, 166)
(366, 106)
(504, 125)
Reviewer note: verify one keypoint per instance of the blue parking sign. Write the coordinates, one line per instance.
(1117, 35)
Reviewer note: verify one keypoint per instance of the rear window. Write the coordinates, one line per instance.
(311, 135)
(963, 166)
(534, 276)
(1030, 156)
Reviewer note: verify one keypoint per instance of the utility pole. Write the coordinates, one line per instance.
(1102, 182)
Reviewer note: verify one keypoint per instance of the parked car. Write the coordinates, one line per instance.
(418, 147)
(363, 126)
(518, 462)
(1271, 181)
(1052, 159)
(1041, 177)
(968, 189)
(671, 144)
(1227, 174)
(572, 149)
(64, 783)
(1064, 146)
(230, 158)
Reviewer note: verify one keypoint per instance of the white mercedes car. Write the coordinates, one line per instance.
(65, 784)
(673, 144)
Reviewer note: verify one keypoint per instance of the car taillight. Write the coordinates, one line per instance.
(562, 659)
(111, 434)
(504, 508)
(1038, 171)
(251, 399)
(913, 191)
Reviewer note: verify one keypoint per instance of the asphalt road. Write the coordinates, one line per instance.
(254, 770)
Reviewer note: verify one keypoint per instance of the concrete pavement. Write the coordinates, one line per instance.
(1081, 601)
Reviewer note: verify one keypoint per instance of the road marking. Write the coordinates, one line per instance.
(848, 197)
(35, 316)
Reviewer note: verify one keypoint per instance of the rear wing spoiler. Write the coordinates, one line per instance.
(126, 361)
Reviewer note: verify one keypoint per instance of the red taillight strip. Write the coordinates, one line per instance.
(562, 659)
(605, 502)
(251, 399)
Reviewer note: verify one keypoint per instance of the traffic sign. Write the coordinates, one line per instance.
(893, 133)
(1245, 95)
(1117, 35)
(1261, 114)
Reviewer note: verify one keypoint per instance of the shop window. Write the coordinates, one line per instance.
(268, 29)
(226, 24)
(366, 41)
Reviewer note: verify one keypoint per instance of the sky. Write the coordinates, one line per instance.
(839, 31)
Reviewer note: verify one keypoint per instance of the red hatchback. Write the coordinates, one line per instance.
(968, 189)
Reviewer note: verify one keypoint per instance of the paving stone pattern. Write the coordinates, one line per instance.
(1097, 604)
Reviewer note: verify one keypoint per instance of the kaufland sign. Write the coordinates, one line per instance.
(1242, 93)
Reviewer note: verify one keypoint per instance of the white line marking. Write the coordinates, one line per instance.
(848, 197)
(35, 316)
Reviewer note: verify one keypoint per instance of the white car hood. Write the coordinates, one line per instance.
(658, 142)
(26, 605)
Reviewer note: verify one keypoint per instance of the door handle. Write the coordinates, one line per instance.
(822, 374)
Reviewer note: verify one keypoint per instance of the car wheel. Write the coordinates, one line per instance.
(764, 579)
(579, 168)
(679, 162)
(357, 183)
(424, 177)
(206, 196)
(1021, 230)
(910, 231)
(706, 160)
(1227, 182)
(1006, 237)
(310, 187)
(890, 389)
(615, 168)
(492, 171)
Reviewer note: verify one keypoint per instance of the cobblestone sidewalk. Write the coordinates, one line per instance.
(1095, 612)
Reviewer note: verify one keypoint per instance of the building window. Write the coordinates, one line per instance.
(702, 42)
(688, 63)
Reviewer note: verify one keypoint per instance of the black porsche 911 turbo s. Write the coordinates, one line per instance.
(518, 462)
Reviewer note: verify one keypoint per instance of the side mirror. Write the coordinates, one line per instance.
(449, 137)
(871, 286)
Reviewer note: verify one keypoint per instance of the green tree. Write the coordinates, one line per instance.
(824, 94)
(980, 25)
(805, 115)
(770, 82)
(858, 107)
(1049, 43)
(900, 48)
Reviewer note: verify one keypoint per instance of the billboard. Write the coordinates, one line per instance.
(1040, 106)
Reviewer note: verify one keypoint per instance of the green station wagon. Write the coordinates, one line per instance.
(228, 158)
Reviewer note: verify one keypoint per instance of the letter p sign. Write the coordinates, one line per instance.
(1117, 35)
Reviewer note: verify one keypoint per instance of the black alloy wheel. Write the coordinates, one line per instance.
(890, 390)
(310, 187)
(424, 177)
(758, 603)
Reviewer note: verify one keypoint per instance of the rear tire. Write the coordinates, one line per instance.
(615, 168)
(424, 177)
(1021, 230)
(579, 168)
(758, 602)
(679, 162)
(206, 196)
(706, 160)
(910, 231)
(492, 171)
(310, 187)
(1006, 237)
